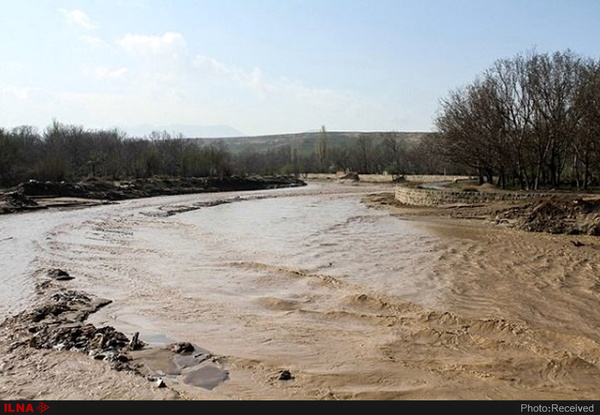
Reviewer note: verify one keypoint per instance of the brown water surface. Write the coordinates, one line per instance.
(354, 302)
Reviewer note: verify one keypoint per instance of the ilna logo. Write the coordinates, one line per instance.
(25, 407)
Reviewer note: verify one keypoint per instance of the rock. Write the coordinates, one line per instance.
(182, 347)
(97, 303)
(59, 275)
(122, 358)
(97, 342)
(136, 343)
(285, 375)
(351, 176)
(160, 383)
(48, 310)
(19, 200)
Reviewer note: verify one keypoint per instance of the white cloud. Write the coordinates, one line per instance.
(104, 73)
(252, 80)
(93, 41)
(213, 66)
(78, 18)
(193, 82)
(19, 92)
(10, 65)
(255, 81)
(156, 79)
(170, 43)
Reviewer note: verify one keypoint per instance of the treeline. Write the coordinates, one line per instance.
(71, 153)
(531, 121)
(365, 153)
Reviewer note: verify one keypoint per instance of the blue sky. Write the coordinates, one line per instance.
(265, 66)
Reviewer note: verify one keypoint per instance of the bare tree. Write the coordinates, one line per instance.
(528, 120)
(321, 149)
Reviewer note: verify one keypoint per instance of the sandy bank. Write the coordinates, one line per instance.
(559, 213)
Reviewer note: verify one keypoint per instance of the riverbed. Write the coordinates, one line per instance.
(351, 302)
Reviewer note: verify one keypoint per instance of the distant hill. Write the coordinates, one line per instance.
(306, 141)
(189, 131)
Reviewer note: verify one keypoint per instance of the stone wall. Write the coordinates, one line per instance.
(432, 197)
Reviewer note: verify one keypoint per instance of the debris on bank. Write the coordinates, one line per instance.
(558, 215)
(16, 201)
(59, 274)
(59, 323)
(349, 177)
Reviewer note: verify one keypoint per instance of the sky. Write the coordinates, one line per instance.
(265, 66)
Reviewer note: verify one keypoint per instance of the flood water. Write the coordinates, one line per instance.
(352, 301)
(257, 275)
(322, 229)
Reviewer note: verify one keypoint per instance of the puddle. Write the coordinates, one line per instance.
(196, 368)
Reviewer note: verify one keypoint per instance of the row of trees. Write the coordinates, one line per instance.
(365, 153)
(530, 121)
(71, 152)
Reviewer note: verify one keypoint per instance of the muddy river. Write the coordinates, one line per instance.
(353, 302)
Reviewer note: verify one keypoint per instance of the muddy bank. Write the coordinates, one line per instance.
(569, 214)
(58, 323)
(33, 195)
(572, 215)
